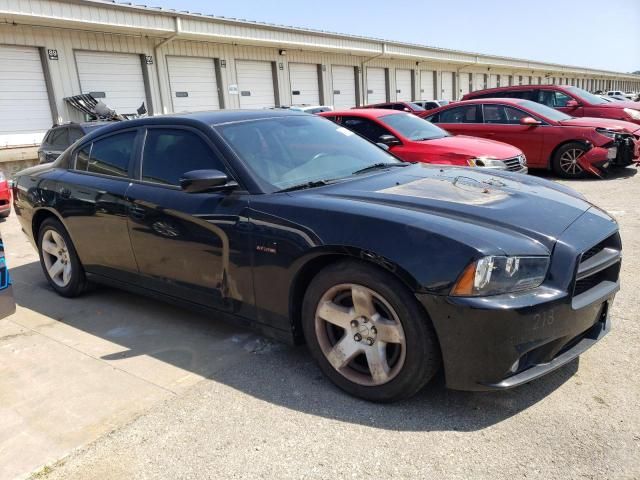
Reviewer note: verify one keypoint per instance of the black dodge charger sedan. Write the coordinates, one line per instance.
(300, 228)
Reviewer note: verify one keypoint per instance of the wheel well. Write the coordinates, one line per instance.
(39, 217)
(558, 147)
(304, 278)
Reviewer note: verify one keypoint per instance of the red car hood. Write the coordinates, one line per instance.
(607, 123)
(472, 147)
(618, 104)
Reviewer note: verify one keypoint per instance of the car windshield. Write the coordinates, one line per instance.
(286, 151)
(415, 107)
(412, 127)
(543, 110)
(586, 96)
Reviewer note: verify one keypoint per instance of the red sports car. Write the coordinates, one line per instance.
(5, 197)
(413, 139)
(549, 138)
(571, 100)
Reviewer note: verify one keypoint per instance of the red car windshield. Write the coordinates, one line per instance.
(586, 96)
(412, 127)
(544, 111)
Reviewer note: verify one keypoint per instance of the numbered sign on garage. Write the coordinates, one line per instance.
(304, 84)
(25, 113)
(193, 84)
(427, 87)
(376, 85)
(255, 84)
(114, 78)
(344, 86)
(403, 85)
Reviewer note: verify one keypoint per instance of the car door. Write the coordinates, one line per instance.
(92, 202)
(502, 123)
(192, 246)
(463, 120)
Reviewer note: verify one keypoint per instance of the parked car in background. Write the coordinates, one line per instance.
(299, 227)
(311, 108)
(5, 196)
(61, 137)
(549, 138)
(431, 104)
(571, 100)
(413, 139)
(620, 94)
(409, 107)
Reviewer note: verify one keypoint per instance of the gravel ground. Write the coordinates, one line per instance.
(272, 415)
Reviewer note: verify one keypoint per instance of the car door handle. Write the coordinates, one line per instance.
(137, 212)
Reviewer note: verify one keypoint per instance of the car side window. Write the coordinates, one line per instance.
(59, 138)
(170, 153)
(466, 114)
(494, 114)
(365, 127)
(75, 134)
(513, 115)
(399, 106)
(107, 156)
(560, 99)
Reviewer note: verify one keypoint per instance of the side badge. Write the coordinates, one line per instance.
(271, 248)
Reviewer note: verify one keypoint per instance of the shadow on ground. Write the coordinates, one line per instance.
(276, 373)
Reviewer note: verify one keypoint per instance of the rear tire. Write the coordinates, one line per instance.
(565, 161)
(59, 260)
(368, 333)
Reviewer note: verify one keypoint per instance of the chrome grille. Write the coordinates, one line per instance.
(515, 164)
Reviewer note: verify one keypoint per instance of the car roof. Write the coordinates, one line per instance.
(363, 112)
(208, 118)
(515, 88)
(471, 101)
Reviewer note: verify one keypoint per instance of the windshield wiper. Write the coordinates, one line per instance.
(377, 166)
(305, 185)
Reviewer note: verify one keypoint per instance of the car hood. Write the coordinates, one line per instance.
(473, 147)
(506, 202)
(608, 123)
(620, 104)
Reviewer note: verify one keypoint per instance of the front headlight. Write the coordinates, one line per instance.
(485, 162)
(633, 113)
(495, 275)
(606, 132)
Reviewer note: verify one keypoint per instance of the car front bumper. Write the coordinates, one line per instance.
(504, 341)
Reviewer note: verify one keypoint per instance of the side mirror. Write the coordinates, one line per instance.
(198, 181)
(389, 140)
(530, 121)
(572, 104)
(407, 109)
(383, 146)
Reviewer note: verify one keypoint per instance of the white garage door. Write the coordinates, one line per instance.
(255, 84)
(447, 86)
(193, 84)
(304, 84)
(25, 114)
(344, 87)
(376, 85)
(403, 85)
(493, 81)
(463, 88)
(117, 76)
(427, 90)
(526, 80)
(478, 81)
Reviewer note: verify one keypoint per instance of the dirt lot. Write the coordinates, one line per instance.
(116, 386)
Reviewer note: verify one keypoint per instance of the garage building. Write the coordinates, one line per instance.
(173, 61)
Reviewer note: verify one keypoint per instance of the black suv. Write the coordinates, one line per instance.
(60, 137)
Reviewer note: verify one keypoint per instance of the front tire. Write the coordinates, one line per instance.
(565, 161)
(59, 260)
(368, 333)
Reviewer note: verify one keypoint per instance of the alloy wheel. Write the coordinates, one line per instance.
(360, 334)
(57, 260)
(569, 161)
